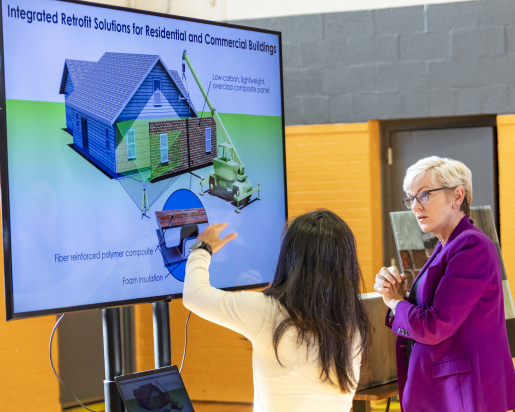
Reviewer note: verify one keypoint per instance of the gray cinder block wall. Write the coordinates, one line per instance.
(410, 62)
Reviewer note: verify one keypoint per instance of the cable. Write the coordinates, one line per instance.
(68, 389)
(161, 238)
(203, 107)
(185, 341)
(170, 271)
(55, 372)
(189, 314)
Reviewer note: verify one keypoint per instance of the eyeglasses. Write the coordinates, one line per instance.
(422, 197)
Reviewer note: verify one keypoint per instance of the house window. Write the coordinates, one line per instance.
(131, 144)
(164, 147)
(77, 119)
(156, 85)
(208, 140)
(107, 140)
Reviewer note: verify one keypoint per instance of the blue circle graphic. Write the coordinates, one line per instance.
(181, 199)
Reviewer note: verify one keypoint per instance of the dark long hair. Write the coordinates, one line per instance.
(317, 281)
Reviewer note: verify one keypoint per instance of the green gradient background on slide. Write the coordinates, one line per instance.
(35, 137)
(61, 203)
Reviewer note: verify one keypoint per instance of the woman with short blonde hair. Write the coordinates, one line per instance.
(449, 173)
(452, 346)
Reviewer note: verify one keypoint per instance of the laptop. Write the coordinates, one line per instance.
(157, 390)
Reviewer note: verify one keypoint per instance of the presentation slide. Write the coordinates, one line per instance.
(160, 392)
(127, 134)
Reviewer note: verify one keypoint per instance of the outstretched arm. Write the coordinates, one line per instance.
(232, 310)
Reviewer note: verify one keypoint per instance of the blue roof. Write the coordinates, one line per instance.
(76, 69)
(106, 87)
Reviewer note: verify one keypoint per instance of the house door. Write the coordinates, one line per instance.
(474, 146)
(85, 140)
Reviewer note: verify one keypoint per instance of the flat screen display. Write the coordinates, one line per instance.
(125, 134)
(156, 390)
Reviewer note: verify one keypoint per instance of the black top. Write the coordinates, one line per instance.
(414, 290)
(414, 299)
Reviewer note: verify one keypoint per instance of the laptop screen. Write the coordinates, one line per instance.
(158, 390)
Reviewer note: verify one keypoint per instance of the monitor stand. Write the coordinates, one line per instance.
(112, 358)
(113, 349)
(162, 342)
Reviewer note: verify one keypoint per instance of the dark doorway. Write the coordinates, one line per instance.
(85, 140)
(81, 357)
(81, 353)
(475, 146)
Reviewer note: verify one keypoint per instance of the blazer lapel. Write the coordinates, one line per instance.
(429, 261)
(464, 224)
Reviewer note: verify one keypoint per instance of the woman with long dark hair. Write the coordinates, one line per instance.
(309, 329)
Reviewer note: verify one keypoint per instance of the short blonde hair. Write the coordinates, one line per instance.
(448, 173)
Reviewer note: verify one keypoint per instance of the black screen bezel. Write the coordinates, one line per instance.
(4, 176)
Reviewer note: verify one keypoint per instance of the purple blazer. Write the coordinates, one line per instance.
(461, 359)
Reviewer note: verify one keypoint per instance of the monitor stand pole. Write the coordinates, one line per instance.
(112, 358)
(162, 342)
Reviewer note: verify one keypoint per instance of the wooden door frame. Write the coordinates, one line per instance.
(398, 125)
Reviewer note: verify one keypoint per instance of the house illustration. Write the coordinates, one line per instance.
(132, 116)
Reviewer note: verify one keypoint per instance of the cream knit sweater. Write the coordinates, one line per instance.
(293, 387)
